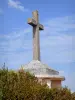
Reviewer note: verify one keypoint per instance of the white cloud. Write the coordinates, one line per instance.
(17, 5)
(58, 40)
(59, 49)
(59, 26)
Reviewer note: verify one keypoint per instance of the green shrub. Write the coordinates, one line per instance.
(22, 85)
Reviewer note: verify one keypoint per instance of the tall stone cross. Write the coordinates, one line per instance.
(34, 22)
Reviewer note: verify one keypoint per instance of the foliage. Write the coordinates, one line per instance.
(22, 85)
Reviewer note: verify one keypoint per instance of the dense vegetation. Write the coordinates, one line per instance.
(21, 85)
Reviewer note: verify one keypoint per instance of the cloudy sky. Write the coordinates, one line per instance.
(57, 41)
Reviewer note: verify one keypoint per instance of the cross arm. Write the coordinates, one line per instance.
(41, 27)
(32, 22)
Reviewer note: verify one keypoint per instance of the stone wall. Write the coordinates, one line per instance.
(56, 84)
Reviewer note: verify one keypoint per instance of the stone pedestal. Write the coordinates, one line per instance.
(45, 74)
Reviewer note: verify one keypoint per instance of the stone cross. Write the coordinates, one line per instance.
(36, 27)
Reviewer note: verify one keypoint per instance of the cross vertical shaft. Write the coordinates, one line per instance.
(36, 41)
(36, 45)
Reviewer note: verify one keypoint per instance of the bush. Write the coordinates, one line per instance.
(22, 85)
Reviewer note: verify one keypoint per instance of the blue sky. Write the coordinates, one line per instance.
(57, 41)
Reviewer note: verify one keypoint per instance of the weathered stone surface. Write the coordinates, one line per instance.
(36, 27)
(41, 27)
(32, 22)
(44, 73)
(42, 70)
